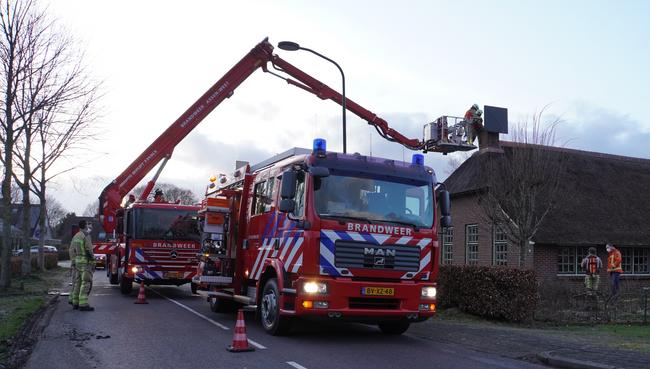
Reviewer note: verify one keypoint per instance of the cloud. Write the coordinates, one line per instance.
(597, 129)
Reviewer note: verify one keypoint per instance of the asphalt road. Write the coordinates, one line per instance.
(178, 330)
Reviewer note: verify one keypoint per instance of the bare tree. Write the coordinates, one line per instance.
(55, 101)
(172, 193)
(16, 18)
(522, 182)
(455, 160)
(55, 212)
(91, 209)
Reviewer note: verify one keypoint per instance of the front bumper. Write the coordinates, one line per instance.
(345, 300)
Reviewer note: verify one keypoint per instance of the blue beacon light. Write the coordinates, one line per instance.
(320, 145)
(417, 159)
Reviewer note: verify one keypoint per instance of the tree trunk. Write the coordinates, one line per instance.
(26, 234)
(41, 237)
(5, 274)
(523, 250)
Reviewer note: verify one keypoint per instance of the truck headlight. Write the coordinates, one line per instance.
(136, 269)
(314, 287)
(429, 292)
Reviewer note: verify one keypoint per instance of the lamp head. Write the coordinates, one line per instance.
(288, 45)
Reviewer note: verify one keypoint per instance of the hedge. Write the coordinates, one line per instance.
(491, 292)
(51, 261)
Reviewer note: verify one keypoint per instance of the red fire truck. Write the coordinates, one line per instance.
(323, 234)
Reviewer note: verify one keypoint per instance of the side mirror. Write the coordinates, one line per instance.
(288, 189)
(287, 205)
(319, 172)
(444, 202)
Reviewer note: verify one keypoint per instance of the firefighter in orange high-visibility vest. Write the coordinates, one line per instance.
(592, 265)
(614, 267)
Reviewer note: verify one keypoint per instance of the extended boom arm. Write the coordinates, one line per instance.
(163, 147)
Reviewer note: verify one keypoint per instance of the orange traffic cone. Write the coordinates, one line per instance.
(141, 297)
(239, 340)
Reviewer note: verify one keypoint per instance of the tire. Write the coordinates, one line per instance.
(112, 278)
(394, 327)
(126, 285)
(194, 288)
(272, 322)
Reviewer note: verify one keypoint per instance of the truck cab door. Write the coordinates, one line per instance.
(262, 225)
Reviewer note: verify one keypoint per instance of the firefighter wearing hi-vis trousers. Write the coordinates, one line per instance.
(72, 251)
(84, 263)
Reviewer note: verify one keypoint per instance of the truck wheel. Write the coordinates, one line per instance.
(273, 323)
(126, 285)
(112, 278)
(194, 288)
(394, 327)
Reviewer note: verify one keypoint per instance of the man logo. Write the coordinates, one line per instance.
(380, 261)
(379, 252)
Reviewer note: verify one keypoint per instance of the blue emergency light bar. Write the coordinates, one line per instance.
(320, 145)
(417, 159)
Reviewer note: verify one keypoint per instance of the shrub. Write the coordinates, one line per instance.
(491, 292)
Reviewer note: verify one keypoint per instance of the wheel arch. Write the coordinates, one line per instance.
(272, 269)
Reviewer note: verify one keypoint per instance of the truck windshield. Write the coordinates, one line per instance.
(166, 224)
(374, 200)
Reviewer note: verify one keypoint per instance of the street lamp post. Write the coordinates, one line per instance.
(292, 46)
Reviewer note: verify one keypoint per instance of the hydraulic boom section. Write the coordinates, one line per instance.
(162, 148)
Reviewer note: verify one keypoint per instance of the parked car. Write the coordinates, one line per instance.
(100, 261)
(34, 250)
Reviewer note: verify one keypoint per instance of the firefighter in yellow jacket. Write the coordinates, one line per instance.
(84, 263)
(72, 251)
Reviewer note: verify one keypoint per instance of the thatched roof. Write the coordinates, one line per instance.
(606, 197)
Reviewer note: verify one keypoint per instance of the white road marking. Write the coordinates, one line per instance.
(250, 341)
(295, 365)
(259, 346)
(190, 310)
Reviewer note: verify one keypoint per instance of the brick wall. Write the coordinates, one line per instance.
(543, 258)
(465, 210)
(546, 259)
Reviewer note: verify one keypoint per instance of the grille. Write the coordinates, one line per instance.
(366, 255)
(373, 303)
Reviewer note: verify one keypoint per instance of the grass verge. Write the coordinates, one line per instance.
(26, 296)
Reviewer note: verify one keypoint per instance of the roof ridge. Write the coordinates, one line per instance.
(578, 152)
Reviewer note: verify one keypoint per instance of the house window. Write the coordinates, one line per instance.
(471, 244)
(500, 246)
(569, 259)
(635, 260)
(447, 245)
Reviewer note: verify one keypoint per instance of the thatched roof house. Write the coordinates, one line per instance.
(603, 199)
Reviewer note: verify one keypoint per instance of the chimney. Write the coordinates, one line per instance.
(489, 141)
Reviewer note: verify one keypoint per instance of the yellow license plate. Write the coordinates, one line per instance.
(377, 291)
(172, 275)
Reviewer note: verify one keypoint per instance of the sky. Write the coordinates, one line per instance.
(582, 62)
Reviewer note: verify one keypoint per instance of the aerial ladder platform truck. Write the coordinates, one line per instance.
(312, 233)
